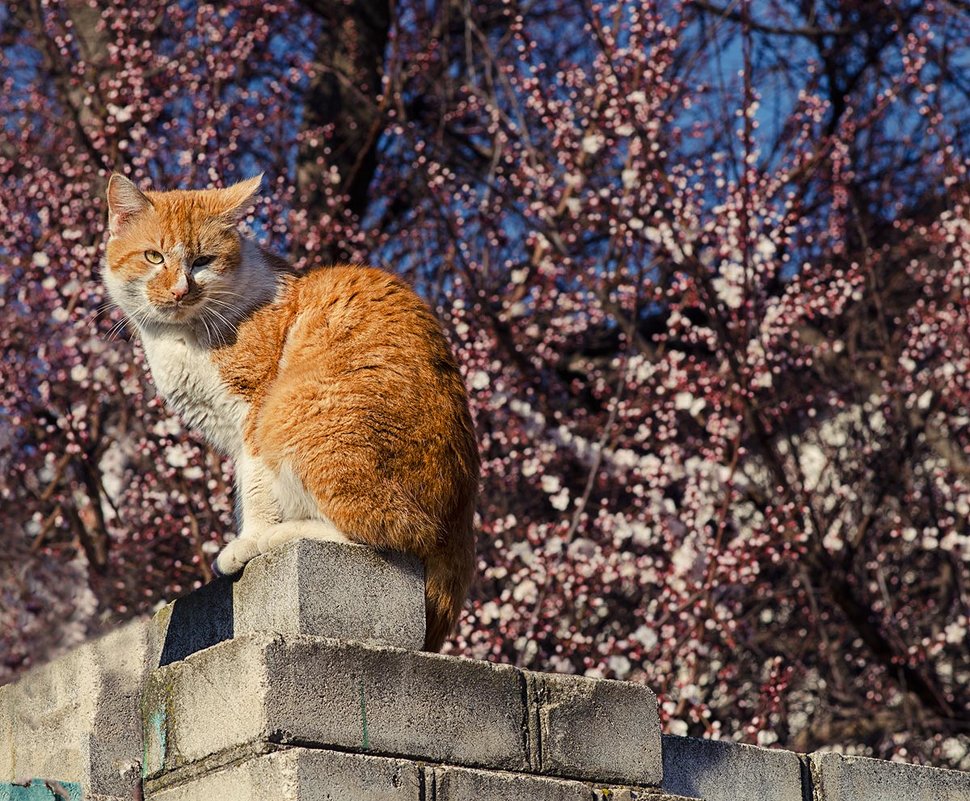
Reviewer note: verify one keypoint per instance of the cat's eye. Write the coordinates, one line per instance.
(154, 256)
(203, 261)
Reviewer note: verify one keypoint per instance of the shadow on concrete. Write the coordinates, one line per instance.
(199, 620)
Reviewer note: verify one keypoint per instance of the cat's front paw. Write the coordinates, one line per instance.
(234, 556)
(275, 536)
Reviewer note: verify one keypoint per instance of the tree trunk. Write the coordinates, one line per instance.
(343, 95)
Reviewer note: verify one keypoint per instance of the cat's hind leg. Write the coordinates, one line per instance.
(257, 513)
(281, 533)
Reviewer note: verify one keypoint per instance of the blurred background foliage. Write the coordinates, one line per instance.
(707, 269)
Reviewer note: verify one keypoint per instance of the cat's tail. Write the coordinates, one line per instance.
(448, 574)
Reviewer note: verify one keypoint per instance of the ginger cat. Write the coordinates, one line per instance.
(334, 391)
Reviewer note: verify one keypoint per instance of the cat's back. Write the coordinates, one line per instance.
(364, 352)
(367, 325)
(362, 301)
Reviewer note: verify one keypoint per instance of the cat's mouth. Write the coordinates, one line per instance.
(181, 310)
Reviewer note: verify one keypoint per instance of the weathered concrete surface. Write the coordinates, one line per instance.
(446, 783)
(636, 794)
(76, 719)
(192, 623)
(6, 733)
(715, 770)
(300, 774)
(594, 729)
(326, 589)
(345, 592)
(462, 784)
(846, 778)
(333, 694)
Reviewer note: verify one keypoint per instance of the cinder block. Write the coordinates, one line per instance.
(723, 771)
(336, 590)
(636, 794)
(462, 784)
(191, 623)
(6, 733)
(333, 694)
(300, 774)
(593, 729)
(76, 720)
(311, 587)
(847, 778)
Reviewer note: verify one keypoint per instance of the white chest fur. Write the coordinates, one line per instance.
(189, 380)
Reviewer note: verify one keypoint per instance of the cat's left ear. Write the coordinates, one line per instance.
(236, 200)
(125, 202)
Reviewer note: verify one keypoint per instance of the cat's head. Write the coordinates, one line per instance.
(174, 257)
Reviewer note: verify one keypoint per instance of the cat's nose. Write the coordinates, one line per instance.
(180, 288)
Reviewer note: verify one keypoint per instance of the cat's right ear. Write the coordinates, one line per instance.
(125, 202)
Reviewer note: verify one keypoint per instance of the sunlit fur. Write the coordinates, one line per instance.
(335, 391)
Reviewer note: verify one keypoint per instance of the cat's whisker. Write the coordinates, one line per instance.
(116, 329)
(208, 332)
(94, 314)
(141, 314)
(221, 303)
(114, 325)
(226, 292)
(225, 322)
(232, 308)
(220, 315)
(228, 325)
(216, 293)
(92, 317)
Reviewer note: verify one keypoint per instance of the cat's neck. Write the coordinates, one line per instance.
(258, 281)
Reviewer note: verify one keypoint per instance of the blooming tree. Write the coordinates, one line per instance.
(707, 270)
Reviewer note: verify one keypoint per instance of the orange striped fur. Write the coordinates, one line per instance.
(335, 391)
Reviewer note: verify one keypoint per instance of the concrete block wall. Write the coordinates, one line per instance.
(302, 680)
(77, 720)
